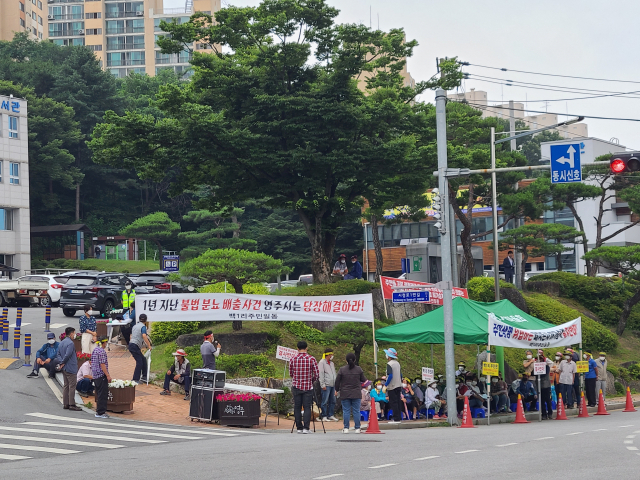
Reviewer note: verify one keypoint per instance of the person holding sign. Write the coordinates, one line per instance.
(545, 386)
(590, 380)
(567, 370)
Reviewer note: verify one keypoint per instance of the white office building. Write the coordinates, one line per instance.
(15, 238)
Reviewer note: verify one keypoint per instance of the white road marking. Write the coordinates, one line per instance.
(52, 434)
(57, 325)
(61, 440)
(255, 433)
(329, 476)
(599, 430)
(112, 430)
(467, 451)
(427, 458)
(13, 457)
(631, 436)
(632, 448)
(200, 431)
(625, 426)
(574, 433)
(544, 438)
(628, 441)
(506, 444)
(385, 465)
(36, 448)
(13, 325)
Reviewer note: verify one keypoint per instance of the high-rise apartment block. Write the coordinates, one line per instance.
(122, 34)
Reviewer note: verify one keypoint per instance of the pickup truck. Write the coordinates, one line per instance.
(21, 293)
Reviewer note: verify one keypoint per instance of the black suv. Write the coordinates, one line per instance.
(156, 282)
(101, 290)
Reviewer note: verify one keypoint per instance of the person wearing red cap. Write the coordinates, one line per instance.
(180, 373)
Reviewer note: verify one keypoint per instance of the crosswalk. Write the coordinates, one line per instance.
(42, 435)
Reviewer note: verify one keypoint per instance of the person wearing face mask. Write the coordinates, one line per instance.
(567, 370)
(601, 380)
(327, 369)
(476, 390)
(554, 374)
(409, 398)
(545, 387)
(433, 401)
(394, 384)
(575, 356)
(68, 363)
(461, 369)
(88, 330)
(528, 363)
(365, 404)
(499, 396)
(590, 380)
(381, 399)
(128, 295)
(349, 384)
(528, 393)
(417, 386)
(340, 268)
(45, 357)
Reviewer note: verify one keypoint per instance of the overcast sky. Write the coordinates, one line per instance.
(585, 38)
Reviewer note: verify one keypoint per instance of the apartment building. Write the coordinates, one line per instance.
(15, 243)
(23, 16)
(123, 34)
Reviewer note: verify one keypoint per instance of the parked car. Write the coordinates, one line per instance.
(23, 291)
(156, 282)
(102, 290)
(52, 299)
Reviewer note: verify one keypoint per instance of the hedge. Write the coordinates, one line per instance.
(595, 337)
(482, 289)
(303, 331)
(603, 296)
(248, 288)
(343, 287)
(162, 332)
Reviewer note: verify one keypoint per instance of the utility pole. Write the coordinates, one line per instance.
(517, 261)
(445, 248)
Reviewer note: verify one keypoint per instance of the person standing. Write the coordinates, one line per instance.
(590, 379)
(139, 338)
(88, 330)
(327, 370)
(303, 370)
(394, 384)
(545, 387)
(180, 373)
(528, 363)
(128, 295)
(356, 271)
(601, 381)
(101, 377)
(509, 267)
(68, 363)
(348, 385)
(462, 368)
(45, 357)
(209, 351)
(567, 370)
(576, 378)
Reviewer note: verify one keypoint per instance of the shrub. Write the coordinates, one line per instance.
(624, 374)
(247, 288)
(344, 287)
(482, 289)
(595, 336)
(614, 371)
(162, 332)
(634, 371)
(303, 331)
(246, 365)
(619, 388)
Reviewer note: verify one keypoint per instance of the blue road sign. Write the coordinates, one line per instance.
(407, 297)
(170, 263)
(565, 163)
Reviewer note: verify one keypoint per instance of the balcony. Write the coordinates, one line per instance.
(124, 14)
(124, 63)
(66, 33)
(64, 1)
(172, 59)
(66, 16)
(125, 46)
(113, 31)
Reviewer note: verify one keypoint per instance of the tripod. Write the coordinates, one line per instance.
(319, 405)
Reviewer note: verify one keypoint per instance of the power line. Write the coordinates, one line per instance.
(550, 74)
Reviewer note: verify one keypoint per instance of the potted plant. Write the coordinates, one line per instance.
(238, 409)
(77, 343)
(122, 394)
(82, 358)
(101, 327)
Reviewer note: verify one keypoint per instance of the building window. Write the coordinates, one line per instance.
(39, 4)
(39, 19)
(33, 15)
(22, 24)
(40, 35)
(13, 127)
(6, 219)
(0, 171)
(93, 15)
(21, 7)
(14, 173)
(95, 48)
(6, 259)
(94, 31)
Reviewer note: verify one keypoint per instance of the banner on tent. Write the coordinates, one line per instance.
(435, 295)
(203, 307)
(502, 334)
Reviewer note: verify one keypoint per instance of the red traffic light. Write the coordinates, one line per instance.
(625, 163)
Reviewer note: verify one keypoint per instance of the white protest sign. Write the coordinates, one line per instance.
(427, 374)
(286, 354)
(504, 335)
(539, 368)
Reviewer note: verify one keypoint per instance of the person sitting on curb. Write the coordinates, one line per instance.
(433, 401)
(528, 393)
(84, 387)
(499, 395)
(180, 373)
(45, 357)
(365, 404)
(381, 399)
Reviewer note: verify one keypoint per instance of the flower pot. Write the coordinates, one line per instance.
(77, 343)
(236, 413)
(121, 399)
(101, 329)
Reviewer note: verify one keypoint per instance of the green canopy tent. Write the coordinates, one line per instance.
(470, 323)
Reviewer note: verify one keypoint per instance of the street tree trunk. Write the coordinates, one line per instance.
(467, 268)
(591, 269)
(323, 244)
(237, 286)
(523, 264)
(234, 220)
(626, 311)
(377, 247)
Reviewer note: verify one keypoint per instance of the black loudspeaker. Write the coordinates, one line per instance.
(202, 404)
(209, 378)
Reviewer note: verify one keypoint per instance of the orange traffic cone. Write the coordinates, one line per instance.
(520, 418)
(466, 415)
(582, 411)
(629, 407)
(602, 409)
(560, 413)
(373, 419)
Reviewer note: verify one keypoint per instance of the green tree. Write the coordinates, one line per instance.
(279, 119)
(156, 227)
(219, 229)
(237, 267)
(537, 240)
(355, 334)
(627, 261)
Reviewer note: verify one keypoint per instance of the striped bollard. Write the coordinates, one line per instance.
(19, 317)
(47, 319)
(16, 342)
(27, 350)
(5, 331)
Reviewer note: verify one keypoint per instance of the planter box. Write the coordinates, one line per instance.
(101, 329)
(121, 399)
(239, 413)
(77, 342)
(81, 361)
